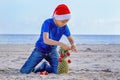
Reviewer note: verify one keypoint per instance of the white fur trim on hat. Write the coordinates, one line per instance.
(62, 17)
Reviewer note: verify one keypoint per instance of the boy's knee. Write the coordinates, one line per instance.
(55, 69)
(25, 71)
(55, 72)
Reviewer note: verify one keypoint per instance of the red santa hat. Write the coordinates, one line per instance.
(62, 12)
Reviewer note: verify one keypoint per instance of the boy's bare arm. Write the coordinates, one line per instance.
(53, 42)
(71, 40)
(73, 45)
(50, 41)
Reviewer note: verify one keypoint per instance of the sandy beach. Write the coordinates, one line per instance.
(92, 62)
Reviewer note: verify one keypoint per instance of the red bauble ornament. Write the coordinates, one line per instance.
(46, 73)
(69, 61)
(68, 54)
(61, 55)
(41, 73)
(60, 59)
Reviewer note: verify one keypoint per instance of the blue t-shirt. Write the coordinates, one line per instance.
(55, 33)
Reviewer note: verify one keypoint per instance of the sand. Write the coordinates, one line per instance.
(92, 62)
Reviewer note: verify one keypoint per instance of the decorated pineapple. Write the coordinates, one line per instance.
(63, 66)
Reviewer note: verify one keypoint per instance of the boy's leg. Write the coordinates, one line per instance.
(41, 68)
(32, 61)
(52, 58)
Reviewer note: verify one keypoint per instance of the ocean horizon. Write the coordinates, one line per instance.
(79, 39)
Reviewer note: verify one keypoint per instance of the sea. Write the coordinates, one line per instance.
(79, 39)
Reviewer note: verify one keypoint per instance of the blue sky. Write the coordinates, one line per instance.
(88, 16)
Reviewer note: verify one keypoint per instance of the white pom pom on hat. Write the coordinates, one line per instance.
(62, 12)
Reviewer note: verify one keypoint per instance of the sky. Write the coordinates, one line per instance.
(88, 16)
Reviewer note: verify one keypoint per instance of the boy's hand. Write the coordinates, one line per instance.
(73, 48)
(65, 46)
(73, 45)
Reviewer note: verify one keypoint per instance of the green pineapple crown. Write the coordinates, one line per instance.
(63, 53)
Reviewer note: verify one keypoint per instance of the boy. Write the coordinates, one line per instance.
(51, 32)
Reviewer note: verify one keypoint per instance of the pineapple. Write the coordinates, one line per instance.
(63, 66)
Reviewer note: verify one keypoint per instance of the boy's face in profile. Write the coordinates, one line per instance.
(61, 23)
